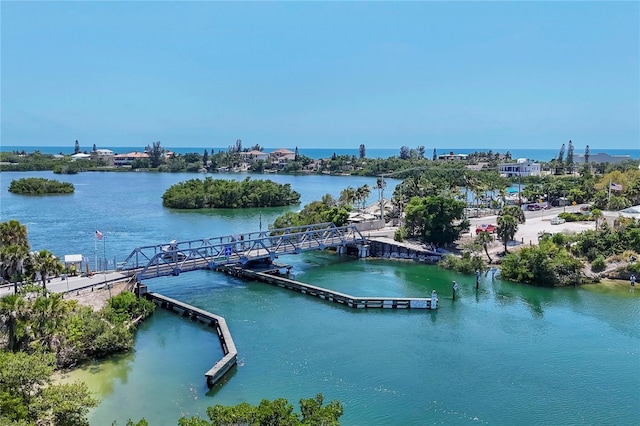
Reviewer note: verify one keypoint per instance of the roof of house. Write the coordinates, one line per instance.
(134, 154)
(282, 151)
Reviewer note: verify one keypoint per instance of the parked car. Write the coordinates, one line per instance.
(536, 206)
(485, 227)
(557, 221)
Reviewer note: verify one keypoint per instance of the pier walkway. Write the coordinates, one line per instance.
(229, 360)
(335, 296)
(209, 253)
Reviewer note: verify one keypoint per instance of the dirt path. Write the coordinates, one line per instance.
(97, 299)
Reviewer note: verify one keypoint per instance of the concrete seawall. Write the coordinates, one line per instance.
(229, 360)
(387, 248)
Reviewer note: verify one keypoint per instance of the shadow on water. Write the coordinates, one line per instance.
(213, 391)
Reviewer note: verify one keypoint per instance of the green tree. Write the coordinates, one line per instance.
(43, 262)
(362, 151)
(14, 320)
(484, 238)
(269, 413)
(13, 232)
(27, 395)
(12, 259)
(155, 152)
(507, 228)
(436, 219)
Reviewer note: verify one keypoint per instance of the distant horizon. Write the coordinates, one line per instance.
(577, 150)
(305, 74)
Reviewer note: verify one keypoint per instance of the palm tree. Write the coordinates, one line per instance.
(514, 211)
(45, 263)
(362, 193)
(13, 315)
(12, 232)
(49, 312)
(597, 215)
(12, 258)
(347, 195)
(484, 238)
(507, 227)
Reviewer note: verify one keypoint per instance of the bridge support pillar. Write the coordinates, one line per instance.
(342, 249)
(363, 250)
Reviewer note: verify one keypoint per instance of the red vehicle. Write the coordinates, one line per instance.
(486, 228)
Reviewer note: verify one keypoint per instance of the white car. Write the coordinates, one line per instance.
(557, 221)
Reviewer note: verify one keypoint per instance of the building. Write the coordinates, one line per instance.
(451, 156)
(523, 167)
(282, 156)
(104, 155)
(125, 160)
(254, 155)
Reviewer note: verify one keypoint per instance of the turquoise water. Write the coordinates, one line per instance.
(504, 354)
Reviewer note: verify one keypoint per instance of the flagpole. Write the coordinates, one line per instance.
(104, 251)
(95, 251)
(609, 198)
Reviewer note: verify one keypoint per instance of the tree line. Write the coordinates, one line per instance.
(222, 193)
(40, 186)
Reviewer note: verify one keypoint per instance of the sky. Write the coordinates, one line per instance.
(487, 75)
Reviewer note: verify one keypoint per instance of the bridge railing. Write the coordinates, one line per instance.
(206, 253)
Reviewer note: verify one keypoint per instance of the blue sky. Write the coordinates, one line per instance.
(322, 75)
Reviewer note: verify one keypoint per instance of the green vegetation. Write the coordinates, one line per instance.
(547, 264)
(35, 320)
(28, 397)
(326, 210)
(508, 220)
(40, 186)
(268, 413)
(221, 193)
(558, 259)
(436, 219)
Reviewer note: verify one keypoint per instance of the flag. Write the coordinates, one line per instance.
(99, 235)
(616, 187)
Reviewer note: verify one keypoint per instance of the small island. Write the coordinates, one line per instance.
(222, 193)
(40, 186)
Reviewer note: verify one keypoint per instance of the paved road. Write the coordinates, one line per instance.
(61, 285)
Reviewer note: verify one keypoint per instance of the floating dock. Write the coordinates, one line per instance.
(230, 357)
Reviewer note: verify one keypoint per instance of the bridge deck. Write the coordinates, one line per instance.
(209, 253)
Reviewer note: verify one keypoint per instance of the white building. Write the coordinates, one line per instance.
(523, 167)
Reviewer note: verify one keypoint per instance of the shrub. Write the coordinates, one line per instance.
(599, 264)
(467, 264)
(400, 234)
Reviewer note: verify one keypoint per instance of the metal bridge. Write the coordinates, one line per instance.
(208, 253)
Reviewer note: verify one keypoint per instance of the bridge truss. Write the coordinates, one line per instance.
(208, 253)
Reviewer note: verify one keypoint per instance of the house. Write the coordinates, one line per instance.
(80, 156)
(523, 167)
(280, 157)
(452, 157)
(254, 155)
(106, 155)
(125, 160)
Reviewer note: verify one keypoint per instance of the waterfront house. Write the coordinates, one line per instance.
(522, 167)
(125, 160)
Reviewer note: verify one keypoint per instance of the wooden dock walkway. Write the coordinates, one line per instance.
(335, 296)
(230, 357)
